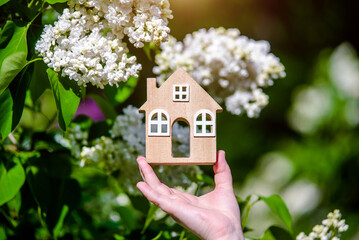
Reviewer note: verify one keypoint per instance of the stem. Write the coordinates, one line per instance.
(83, 93)
(199, 185)
(43, 224)
(244, 222)
(32, 60)
(32, 20)
(30, 4)
(11, 221)
(182, 235)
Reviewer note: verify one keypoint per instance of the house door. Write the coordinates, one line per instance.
(180, 139)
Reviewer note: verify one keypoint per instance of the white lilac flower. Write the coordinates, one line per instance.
(301, 196)
(86, 43)
(230, 66)
(76, 137)
(127, 142)
(311, 107)
(343, 67)
(113, 156)
(331, 228)
(344, 70)
(104, 207)
(150, 22)
(132, 129)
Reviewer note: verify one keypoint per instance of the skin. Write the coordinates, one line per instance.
(215, 215)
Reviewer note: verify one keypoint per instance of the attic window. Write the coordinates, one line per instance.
(181, 93)
(158, 124)
(204, 124)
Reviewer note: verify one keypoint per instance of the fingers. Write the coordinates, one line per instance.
(222, 172)
(157, 192)
(184, 195)
(150, 177)
(151, 195)
(152, 188)
(184, 213)
(147, 173)
(164, 201)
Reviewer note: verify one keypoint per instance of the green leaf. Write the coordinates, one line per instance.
(106, 108)
(10, 181)
(6, 33)
(21, 82)
(182, 237)
(39, 184)
(57, 166)
(59, 7)
(2, 2)
(268, 235)
(167, 235)
(123, 92)
(13, 56)
(276, 233)
(150, 215)
(6, 104)
(128, 217)
(158, 236)
(278, 207)
(67, 97)
(104, 34)
(14, 205)
(2, 233)
(18, 89)
(148, 47)
(39, 81)
(57, 231)
(118, 237)
(140, 203)
(205, 179)
(55, 1)
(68, 194)
(246, 206)
(52, 191)
(147, 50)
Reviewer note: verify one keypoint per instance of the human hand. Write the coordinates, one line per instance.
(214, 215)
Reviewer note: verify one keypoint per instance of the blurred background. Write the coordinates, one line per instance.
(305, 144)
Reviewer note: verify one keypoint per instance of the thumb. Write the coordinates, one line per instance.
(222, 172)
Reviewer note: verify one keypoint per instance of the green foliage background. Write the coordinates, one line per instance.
(43, 192)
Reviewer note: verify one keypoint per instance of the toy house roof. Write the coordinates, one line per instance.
(156, 96)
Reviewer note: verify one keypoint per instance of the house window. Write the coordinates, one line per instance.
(204, 124)
(181, 93)
(158, 124)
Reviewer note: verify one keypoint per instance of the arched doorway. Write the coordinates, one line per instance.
(180, 139)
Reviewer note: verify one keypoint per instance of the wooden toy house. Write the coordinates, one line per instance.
(180, 98)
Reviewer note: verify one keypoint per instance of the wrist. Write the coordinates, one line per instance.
(232, 233)
(233, 236)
